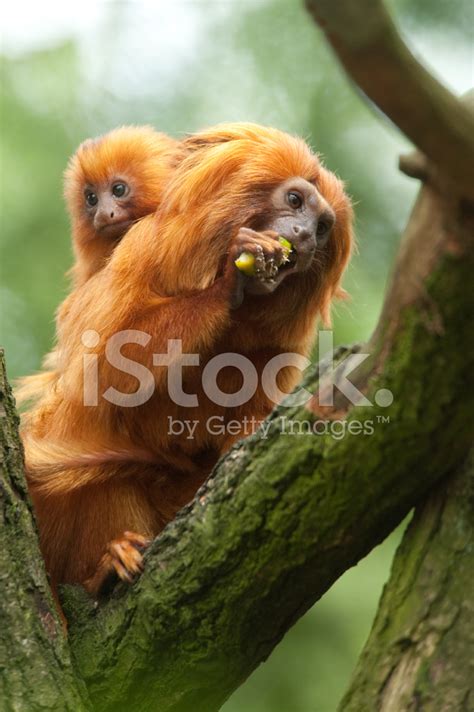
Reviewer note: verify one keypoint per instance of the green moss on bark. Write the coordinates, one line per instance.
(35, 667)
(420, 653)
(281, 518)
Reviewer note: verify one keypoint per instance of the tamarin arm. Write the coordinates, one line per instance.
(125, 296)
(115, 300)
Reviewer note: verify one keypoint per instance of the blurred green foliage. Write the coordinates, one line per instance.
(180, 67)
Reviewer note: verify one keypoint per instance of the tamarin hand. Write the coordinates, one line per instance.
(267, 254)
(123, 558)
(256, 267)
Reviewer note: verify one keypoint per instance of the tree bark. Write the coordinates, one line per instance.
(282, 517)
(35, 666)
(420, 653)
(367, 43)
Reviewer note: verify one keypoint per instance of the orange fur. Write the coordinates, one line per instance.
(139, 152)
(146, 157)
(95, 472)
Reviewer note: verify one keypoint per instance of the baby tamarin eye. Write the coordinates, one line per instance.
(91, 199)
(119, 190)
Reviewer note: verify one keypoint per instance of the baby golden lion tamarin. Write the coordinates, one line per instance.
(110, 182)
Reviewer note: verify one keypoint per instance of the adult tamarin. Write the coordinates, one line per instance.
(110, 182)
(105, 477)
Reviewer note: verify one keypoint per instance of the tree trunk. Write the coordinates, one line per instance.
(420, 653)
(35, 665)
(282, 517)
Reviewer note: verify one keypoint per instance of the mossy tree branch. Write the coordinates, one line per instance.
(420, 653)
(35, 666)
(282, 517)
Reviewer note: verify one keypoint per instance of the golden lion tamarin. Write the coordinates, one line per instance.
(105, 469)
(110, 182)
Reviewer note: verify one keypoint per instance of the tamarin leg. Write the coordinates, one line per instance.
(78, 529)
(165, 495)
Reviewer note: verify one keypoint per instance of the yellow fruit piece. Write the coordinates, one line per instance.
(285, 243)
(287, 248)
(246, 263)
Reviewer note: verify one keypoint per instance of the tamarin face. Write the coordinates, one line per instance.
(109, 206)
(244, 178)
(114, 180)
(300, 214)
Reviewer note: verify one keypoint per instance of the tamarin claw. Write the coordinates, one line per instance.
(246, 261)
(123, 557)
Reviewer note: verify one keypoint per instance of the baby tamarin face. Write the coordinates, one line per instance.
(111, 182)
(110, 206)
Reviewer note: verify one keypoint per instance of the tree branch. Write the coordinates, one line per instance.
(281, 518)
(420, 652)
(371, 50)
(35, 667)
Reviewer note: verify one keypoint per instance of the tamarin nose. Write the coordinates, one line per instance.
(112, 214)
(302, 232)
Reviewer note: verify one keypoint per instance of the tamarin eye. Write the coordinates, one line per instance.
(119, 190)
(91, 199)
(294, 199)
(322, 228)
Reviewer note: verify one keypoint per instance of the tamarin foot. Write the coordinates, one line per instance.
(123, 558)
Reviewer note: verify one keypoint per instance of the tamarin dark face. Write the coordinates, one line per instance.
(109, 206)
(300, 214)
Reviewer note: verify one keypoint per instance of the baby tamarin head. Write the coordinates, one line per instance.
(111, 182)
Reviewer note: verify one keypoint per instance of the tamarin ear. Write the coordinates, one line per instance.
(87, 144)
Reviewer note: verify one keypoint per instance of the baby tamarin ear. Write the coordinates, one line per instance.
(110, 183)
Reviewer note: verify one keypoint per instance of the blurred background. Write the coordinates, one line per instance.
(73, 70)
